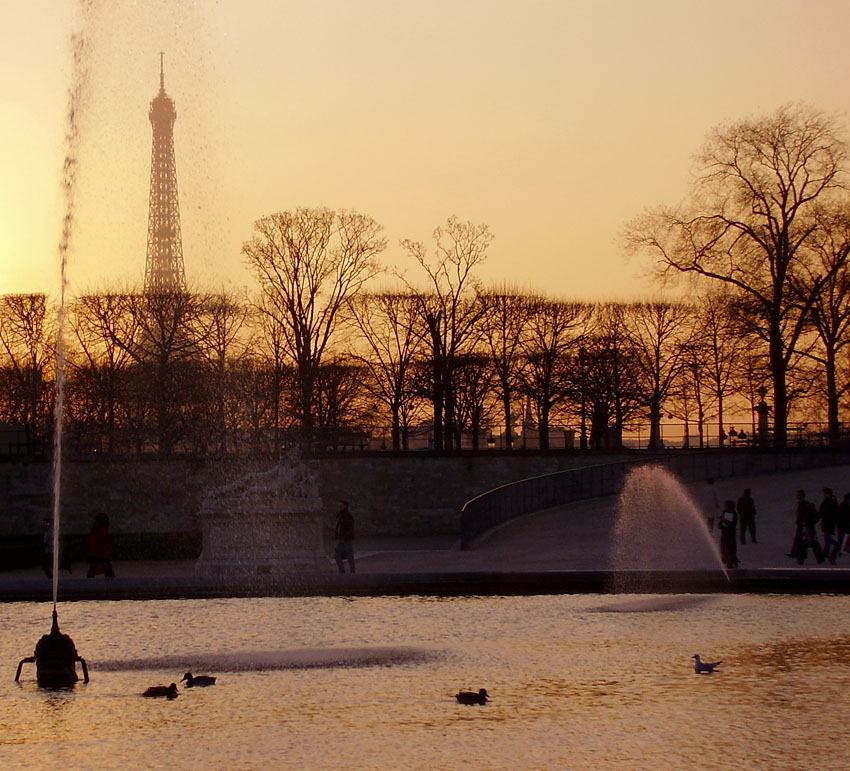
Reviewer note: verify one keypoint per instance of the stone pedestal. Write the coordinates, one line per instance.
(266, 524)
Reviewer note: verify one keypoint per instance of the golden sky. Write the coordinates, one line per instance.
(553, 121)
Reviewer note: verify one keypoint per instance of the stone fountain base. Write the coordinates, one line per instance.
(252, 543)
(267, 524)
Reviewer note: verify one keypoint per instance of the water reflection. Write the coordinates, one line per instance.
(370, 683)
(787, 655)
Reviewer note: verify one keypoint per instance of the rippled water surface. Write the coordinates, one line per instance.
(576, 682)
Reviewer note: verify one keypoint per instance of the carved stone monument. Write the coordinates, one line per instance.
(265, 524)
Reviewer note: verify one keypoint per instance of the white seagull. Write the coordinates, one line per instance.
(704, 667)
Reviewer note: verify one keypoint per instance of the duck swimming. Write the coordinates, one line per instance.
(471, 697)
(168, 691)
(198, 681)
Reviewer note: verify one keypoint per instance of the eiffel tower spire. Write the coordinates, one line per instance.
(164, 265)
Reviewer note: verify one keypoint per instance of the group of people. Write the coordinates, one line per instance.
(736, 520)
(834, 520)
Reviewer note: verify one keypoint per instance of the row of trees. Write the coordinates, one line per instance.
(317, 350)
(209, 374)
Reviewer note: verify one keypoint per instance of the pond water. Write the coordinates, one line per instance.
(576, 682)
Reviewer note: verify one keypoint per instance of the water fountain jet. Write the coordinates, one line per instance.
(660, 534)
(55, 653)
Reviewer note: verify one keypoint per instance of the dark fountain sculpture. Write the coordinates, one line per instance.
(55, 659)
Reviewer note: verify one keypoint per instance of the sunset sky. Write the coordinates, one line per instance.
(555, 122)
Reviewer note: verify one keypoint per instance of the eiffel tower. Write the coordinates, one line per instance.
(164, 265)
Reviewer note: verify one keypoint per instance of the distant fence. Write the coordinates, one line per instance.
(507, 502)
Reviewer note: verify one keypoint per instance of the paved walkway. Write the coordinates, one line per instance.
(575, 537)
(578, 536)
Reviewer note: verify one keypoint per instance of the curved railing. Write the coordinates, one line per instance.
(516, 499)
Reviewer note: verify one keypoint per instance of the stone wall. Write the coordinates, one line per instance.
(389, 494)
(405, 494)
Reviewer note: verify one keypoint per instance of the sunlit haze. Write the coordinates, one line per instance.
(552, 121)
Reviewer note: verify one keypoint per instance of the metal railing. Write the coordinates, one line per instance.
(516, 499)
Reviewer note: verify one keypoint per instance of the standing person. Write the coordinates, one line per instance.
(100, 552)
(828, 513)
(709, 503)
(747, 516)
(805, 535)
(842, 524)
(344, 535)
(728, 535)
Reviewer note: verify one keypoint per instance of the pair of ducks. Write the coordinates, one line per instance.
(170, 691)
(471, 697)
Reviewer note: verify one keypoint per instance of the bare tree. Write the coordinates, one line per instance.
(831, 310)
(504, 325)
(160, 331)
(719, 349)
(602, 380)
(450, 310)
(27, 338)
(554, 332)
(387, 323)
(341, 410)
(309, 262)
(749, 225)
(659, 333)
(99, 368)
(473, 383)
(221, 327)
(271, 370)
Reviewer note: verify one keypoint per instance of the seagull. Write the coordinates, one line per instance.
(169, 691)
(471, 697)
(704, 667)
(198, 681)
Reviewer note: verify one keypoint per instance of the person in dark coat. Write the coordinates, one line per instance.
(100, 551)
(747, 516)
(344, 535)
(805, 535)
(842, 525)
(728, 535)
(828, 512)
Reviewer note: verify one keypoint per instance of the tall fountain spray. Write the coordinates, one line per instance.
(659, 527)
(55, 653)
(76, 95)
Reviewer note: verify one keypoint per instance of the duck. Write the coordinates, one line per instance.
(704, 667)
(471, 697)
(198, 681)
(168, 691)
